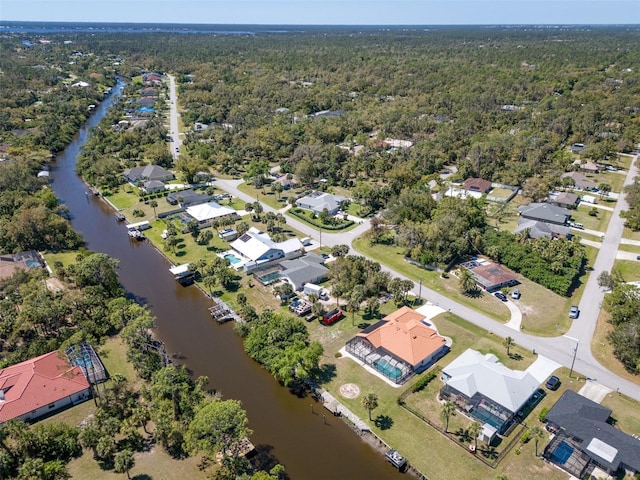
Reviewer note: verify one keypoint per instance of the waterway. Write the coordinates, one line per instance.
(298, 432)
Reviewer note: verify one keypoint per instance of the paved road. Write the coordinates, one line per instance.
(571, 350)
(176, 140)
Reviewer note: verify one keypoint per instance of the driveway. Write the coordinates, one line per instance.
(594, 391)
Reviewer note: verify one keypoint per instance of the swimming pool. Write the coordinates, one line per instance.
(562, 453)
(232, 258)
(388, 370)
(270, 277)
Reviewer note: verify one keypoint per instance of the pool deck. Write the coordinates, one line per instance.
(372, 371)
(238, 265)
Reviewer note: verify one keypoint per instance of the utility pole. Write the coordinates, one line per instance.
(575, 352)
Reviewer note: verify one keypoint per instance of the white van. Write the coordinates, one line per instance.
(579, 226)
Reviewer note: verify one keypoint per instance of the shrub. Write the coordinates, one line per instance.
(138, 213)
(526, 436)
(424, 381)
(543, 414)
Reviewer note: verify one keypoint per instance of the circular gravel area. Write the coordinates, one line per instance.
(349, 390)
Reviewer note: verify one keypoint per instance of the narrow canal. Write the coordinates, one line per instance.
(296, 434)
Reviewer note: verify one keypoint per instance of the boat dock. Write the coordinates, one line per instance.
(221, 312)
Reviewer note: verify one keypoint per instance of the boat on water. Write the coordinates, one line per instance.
(136, 234)
(120, 217)
(395, 459)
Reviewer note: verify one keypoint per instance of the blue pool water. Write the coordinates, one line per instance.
(232, 258)
(269, 277)
(384, 367)
(562, 453)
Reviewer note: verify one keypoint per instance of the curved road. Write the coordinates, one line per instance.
(572, 349)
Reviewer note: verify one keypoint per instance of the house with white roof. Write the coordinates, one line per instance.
(486, 389)
(318, 201)
(206, 213)
(258, 247)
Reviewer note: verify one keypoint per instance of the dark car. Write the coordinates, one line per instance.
(553, 383)
(501, 296)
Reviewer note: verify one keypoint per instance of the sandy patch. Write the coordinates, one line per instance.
(349, 390)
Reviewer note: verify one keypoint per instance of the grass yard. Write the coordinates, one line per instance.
(66, 258)
(500, 193)
(536, 302)
(599, 222)
(603, 351)
(631, 234)
(629, 269)
(268, 197)
(398, 427)
(629, 248)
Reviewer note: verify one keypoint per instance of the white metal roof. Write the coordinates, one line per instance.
(208, 211)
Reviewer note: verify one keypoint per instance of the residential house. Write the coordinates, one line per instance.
(538, 229)
(262, 251)
(206, 213)
(486, 389)
(397, 143)
(476, 185)
(152, 186)
(580, 182)
(40, 386)
(148, 172)
(10, 263)
(584, 439)
(187, 198)
(565, 200)
(303, 270)
(148, 92)
(490, 276)
(589, 167)
(545, 212)
(287, 183)
(318, 201)
(198, 127)
(399, 345)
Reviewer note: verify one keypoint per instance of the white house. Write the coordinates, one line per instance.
(206, 213)
(260, 249)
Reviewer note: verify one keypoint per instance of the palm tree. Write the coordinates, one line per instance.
(447, 410)
(123, 462)
(474, 430)
(370, 402)
(537, 433)
(153, 204)
(466, 281)
(508, 343)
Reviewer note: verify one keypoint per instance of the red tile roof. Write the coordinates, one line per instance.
(405, 336)
(38, 382)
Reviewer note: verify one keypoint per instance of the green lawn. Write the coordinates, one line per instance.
(399, 428)
(268, 197)
(544, 312)
(630, 269)
(599, 222)
(66, 258)
(631, 234)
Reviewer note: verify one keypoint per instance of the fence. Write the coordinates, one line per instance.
(492, 464)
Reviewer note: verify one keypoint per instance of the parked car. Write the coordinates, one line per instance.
(553, 383)
(574, 312)
(501, 296)
(515, 294)
(638, 257)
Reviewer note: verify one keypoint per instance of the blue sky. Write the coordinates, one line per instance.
(327, 12)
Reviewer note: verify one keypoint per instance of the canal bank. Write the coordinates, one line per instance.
(310, 446)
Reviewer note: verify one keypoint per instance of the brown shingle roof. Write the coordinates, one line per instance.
(477, 185)
(404, 335)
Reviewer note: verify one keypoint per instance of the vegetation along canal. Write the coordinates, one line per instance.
(309, 444)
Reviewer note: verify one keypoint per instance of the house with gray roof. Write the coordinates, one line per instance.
(307, 269)
(148, 172)
(565, 200)
(538, 229)
(585, 439)
(187, 198)
(580, 182)
(318, 201)
(545, 212)
(486, 389)
(151, 186)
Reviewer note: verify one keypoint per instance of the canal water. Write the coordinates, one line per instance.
(309, 444)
